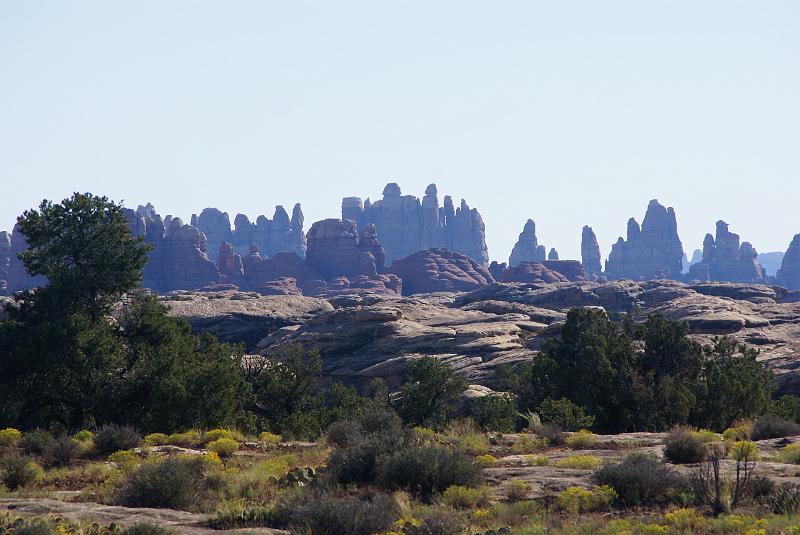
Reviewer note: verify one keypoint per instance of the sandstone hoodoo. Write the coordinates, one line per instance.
(553, 254)
(590, 252)
(335, 248)
(652, 251)
(440, 270)
(724, 259)
(789, 274)
(527, 248)
(405, 225)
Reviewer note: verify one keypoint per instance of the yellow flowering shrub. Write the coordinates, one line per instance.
(224, 447)
(581, 440)
(579, 462)
(578, 500)
(156, 439)
(9, 437)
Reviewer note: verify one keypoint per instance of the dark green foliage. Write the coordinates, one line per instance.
(36, 442)
(17, 471)
(430, 389)
(358, 461)
(493, 413)
(173, 482)
(333, 514)
(343, 433)
(760, 487)
(565, 414)
(61, 451)
(786, 406)
(111, 437)
(639, 479)
(770, 426)
(682, 446)
(785, 500)
(427, 469)
(736, 385)
(36, 526)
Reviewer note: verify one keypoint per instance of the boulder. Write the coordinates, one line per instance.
(440, 270)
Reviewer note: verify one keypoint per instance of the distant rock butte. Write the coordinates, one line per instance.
(404, 225)
(789, 274)
(590, 252)
(652, 251)
(725, 260)
(527, 248)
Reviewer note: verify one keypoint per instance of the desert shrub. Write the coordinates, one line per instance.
(9, 437)
(36, 442)
(357, 462)
(331, 514)
(427, 469)
(579, 462)
(423, 433)
(744, 451)
(270, 439)
(187, 439)
(577, 500)
(639, 479)
(581, 440)
(493, 413)
(146, 529)
(760, 487)
(343, 432)
(62, 451)
(686, 520)
(156, 439)
(683, 445)
(737, 432)
(530, 444)
(460, 497)
(565, 414)
(537, 460)
(785, 500)
(16, 472)
(224, 447)
(173, 482)
(110, 438)
(438, 523)
(706, 436)
(216, 434)
(790, 454)
(84, 436)
(125, 459)
(474, 443)
(769, 426)
(486, 459)
(554, 433)
(516, 489)
(429, 392)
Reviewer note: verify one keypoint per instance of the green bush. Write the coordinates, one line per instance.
(530, 444)
(84, 436)
(224, 447)
(357, 462)
(172, 482)
(269, 439)
(474, 443)
(438, 523)
(790, 454)
(565, 414)
(36, 442)
(187, 439)
(639, 479)
(216, 434)
(516, 489)
(16, 472)
(62, 451)
(577, 500)
(9, 437)
(156, 439)
(581, 440)
(770, 426)
(343, 433)
(460, 497)
(493, 413)
(111, 437)
(427, 469)
(331, 514)
(683, 445)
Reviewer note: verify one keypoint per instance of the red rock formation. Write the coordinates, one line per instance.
(789, 274)
(652, 251)
(180, 260)
(590, 252)
(406, 225)
(336, 249)
(261, 271)
(532, 272)
(440, 270)
(725, 260)
(280, 234)
(571, 269)
(527, 248)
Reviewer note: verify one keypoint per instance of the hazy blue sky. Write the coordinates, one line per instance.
(569, 113)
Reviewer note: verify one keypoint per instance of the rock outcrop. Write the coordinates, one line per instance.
(405, 225)
(215, 226)
(532, 272)
(335, 249)
(271, 236)
(789, 274)
(440, 270)
(724, 259)
(553, 254)
(653, 251)
(179, 261)
(527, 248)
(571, 269)
(590, 252)
(5, 259)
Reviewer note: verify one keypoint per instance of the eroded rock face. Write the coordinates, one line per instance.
(590, 252)
(527, 248)
(571, 269)
(789, 273)
(531, 272)
(336, 249)
(215, 225)
(725, 260)
(440, 270)
(271, 236)
(405, 225)
(5, 259)
(179, 261)
(653, 251)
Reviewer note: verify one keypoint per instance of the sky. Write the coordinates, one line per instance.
(569, 113)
